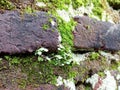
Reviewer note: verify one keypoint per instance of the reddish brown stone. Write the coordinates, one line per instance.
(92, 34)
(27, 32)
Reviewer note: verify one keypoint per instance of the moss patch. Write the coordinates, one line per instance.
(5, 4)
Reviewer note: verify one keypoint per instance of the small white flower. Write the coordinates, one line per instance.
(60, 47)
(43, 49)
(39, 53)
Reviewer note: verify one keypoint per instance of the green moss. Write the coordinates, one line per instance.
(5, 4)
(45, 26)
(42, 72)
(88, 87)
(54, 4)
(101, 74)
(22, 83)
(114, 65)
(66, 28)
(114, 1)
(78, 3)
(28, 9)
(94, 56)
(98, 8)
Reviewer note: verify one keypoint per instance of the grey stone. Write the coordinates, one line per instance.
(92, 34)
(23, 33)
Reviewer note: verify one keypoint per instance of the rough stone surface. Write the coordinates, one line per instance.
(51, 87)
(21, 33)
(41, 87)
(92, 34)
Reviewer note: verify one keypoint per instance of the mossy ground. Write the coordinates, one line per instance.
(27, 70)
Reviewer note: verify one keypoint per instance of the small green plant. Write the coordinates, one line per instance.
(45, 26)
(88, 87)
(13, 60)
(22, 83)
(60, 58)
(94, 56)
(6, 4)
(114, 65)
(28, 9)
(72, 74)
(54, 4)
(102, 74)
(39, 53)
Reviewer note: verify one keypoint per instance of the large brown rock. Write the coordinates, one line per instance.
(21, 33)
(91, 34)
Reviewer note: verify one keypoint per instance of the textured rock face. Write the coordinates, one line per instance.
(51, 87)
(28, 32)
(92, 34)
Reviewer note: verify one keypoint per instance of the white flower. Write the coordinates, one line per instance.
(43, 49)
(39, 53)
(60, 46)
